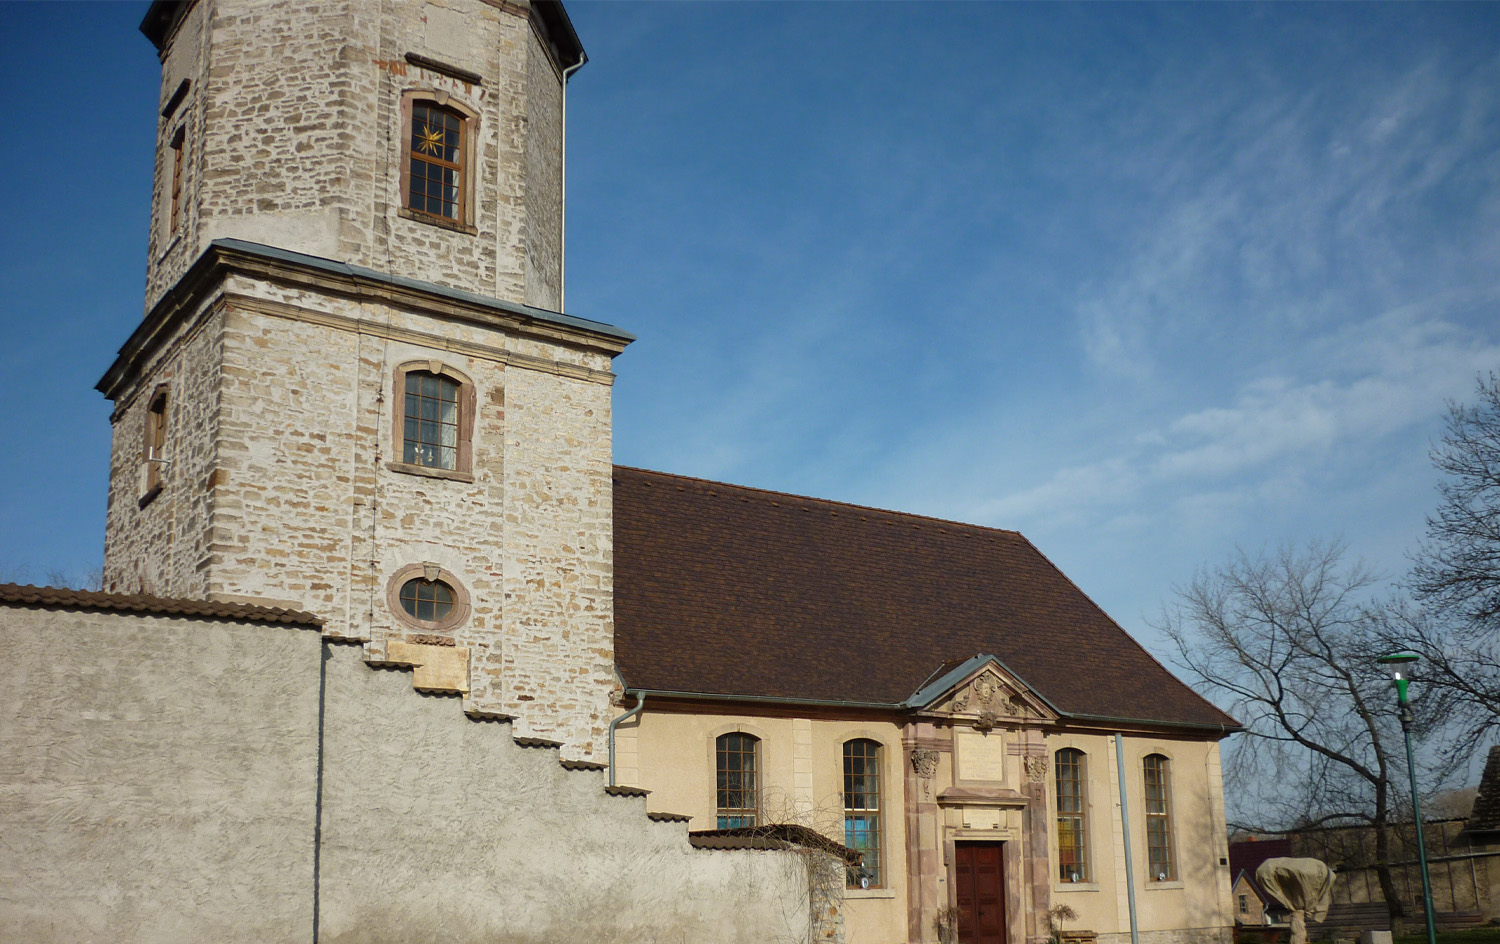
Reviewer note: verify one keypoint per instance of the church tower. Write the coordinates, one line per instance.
(352, 392)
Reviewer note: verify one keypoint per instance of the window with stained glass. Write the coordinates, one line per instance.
(436, 152)
(427, 600)
(1158, 819)
(738, 795)
(1072, 816)
(862, 809)
(431, 431)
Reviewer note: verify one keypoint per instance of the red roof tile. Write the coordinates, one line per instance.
(67, 599)
(726, 590)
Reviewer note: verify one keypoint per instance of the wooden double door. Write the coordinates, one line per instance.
(979, 880)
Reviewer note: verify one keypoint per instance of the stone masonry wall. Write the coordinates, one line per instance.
(168, 253)
(166, 780)
(308, 512)
(295, 139)
(544, 196)
(162, 547)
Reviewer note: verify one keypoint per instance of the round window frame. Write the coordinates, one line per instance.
(425, 571)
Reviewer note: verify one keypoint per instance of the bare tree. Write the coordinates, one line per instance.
(1287, 643)
(1456, 573)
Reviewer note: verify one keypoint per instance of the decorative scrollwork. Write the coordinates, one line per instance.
(1036, 768)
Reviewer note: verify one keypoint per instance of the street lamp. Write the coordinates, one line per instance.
(1399, 663)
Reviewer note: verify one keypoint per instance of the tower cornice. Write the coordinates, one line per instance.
(225, 257)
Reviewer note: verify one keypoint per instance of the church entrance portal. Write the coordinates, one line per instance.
(979, 880)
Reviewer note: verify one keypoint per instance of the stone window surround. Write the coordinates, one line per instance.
(882, 754)
(467, 407)
(427, 570)
(153, 445)
(721, 754)
(467, 160)
(1165, 767)
(1086, 879)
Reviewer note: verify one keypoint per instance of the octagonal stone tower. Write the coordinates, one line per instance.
(352, 391)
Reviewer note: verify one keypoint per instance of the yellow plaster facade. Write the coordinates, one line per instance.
(948, 778)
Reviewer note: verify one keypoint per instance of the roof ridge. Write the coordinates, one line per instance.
(771, 493)
(30, 595)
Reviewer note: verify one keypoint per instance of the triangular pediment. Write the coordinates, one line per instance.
(982, 691)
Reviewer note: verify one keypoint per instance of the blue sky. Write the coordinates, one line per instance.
(1143, 282)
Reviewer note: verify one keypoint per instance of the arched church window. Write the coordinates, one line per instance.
(1159, 864)
(1072, 816)
(737, 763)
(862, 831)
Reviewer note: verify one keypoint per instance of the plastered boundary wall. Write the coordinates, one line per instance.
(160, 782)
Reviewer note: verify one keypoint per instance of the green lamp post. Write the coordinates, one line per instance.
(1400, 663)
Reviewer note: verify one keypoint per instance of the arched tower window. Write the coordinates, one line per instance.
(1160, 867)
(1072, 816)
(862, 809)
(434, 422)
(437, 159)
(431, 428)
(737, 762)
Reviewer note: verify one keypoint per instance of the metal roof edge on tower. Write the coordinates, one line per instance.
(560, 27)
(163, 15)
(160, 18)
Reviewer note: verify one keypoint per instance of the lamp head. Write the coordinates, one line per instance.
(1398, 662)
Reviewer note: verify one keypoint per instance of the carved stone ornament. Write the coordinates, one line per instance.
(987, 721)
(924, 761)
(1036, 768)
(984, 689)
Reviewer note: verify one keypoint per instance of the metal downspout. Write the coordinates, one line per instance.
(640, 702)
(1135, 934)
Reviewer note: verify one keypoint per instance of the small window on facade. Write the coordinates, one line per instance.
(432, 422)
(862, 809)
(427, 600)
(738, 795)
(435, 172)
(1072, 813)
(155, 447)
(1244, 904)
(178, 142)
(1158, 819)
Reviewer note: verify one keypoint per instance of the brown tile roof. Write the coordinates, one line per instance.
(774, 836)
(65, 599)
(726, 590)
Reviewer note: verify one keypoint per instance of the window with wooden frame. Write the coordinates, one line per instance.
(1072, 815)
(427, 598)
(434, 420)
(737, 768)
(179, 141)
(862, 831)
(154, 445)
(437, 166)
(1160, 867)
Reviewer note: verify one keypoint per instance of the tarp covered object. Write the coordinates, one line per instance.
(1300, 884)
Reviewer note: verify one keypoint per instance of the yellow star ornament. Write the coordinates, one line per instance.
(431, 140)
